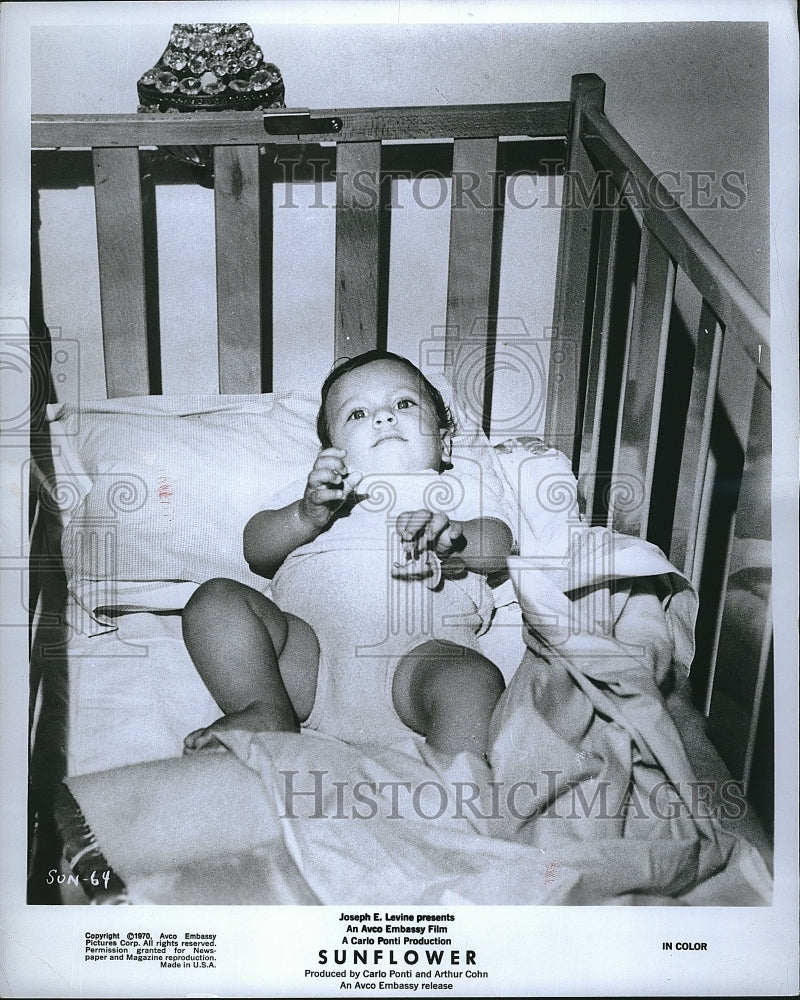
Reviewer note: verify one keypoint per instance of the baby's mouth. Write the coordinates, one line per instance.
(388, 437)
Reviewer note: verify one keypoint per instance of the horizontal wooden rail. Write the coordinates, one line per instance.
(310, 163)
(223, 128)
(740, 312)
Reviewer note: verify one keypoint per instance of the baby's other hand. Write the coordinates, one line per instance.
(329, 485)
(424, 529)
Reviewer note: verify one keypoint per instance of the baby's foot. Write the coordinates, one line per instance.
(255, 718)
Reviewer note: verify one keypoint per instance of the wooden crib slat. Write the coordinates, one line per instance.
(764, 659)
(120, 248)
(573, 275)
(238, 241)
(701, 537)
(640, 403)
(598, 356)
(745, 639)
(470, 291)
(357, 264)
(725, 551)
(696, 441)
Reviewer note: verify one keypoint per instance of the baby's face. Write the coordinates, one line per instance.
(383, 418)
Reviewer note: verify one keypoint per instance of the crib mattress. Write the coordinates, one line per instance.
(133, 695)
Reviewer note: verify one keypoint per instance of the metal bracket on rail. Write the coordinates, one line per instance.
(298, 121)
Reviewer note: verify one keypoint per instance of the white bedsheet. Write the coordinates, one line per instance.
(583, 712)
(134, 693)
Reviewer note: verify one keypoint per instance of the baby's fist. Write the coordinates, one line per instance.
(428, 530)
(329, 485)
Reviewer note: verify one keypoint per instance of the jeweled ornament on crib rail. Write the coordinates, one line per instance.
(209, 67)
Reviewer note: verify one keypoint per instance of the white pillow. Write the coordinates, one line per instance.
(154, 492)
(159, 489)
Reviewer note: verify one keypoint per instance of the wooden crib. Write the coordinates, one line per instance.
(660, 400)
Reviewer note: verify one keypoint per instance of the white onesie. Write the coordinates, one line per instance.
(366, 618)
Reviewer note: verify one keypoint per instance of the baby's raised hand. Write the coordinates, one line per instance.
(329, 485)
(422, 530)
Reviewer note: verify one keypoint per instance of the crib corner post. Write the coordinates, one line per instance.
(588, 90)
(575, 275)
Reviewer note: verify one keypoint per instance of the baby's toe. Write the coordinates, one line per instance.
(202, 739)
(190, 741)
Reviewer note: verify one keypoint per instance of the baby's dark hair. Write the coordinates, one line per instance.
(443, 414)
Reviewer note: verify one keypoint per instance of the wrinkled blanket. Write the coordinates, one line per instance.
(591, 796)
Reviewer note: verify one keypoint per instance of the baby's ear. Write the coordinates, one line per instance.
(447, 446)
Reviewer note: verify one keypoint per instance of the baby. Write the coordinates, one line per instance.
(378, 596)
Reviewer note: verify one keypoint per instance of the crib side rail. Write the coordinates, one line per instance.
(241, 128)
(475, 137)
(623, 422)
(718, 283)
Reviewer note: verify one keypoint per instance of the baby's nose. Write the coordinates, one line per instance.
(385, 417)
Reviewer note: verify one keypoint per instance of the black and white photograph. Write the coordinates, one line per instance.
(400, 496)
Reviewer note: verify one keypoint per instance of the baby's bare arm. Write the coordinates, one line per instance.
(487, 544)
(481, 544)
(271, 535)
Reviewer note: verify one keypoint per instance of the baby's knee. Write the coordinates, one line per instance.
(214, 591)
(483, 676)
(212, 598)
(470, 676)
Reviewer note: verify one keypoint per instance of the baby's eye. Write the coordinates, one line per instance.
(357, 414)
(404, 404)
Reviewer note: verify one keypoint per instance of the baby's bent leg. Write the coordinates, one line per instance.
(448, 693)
(258, 663)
